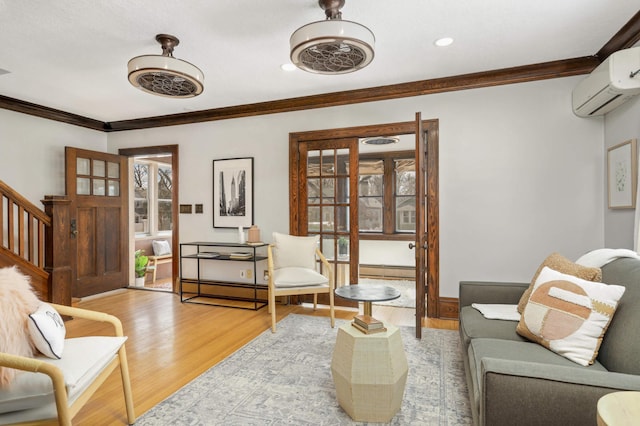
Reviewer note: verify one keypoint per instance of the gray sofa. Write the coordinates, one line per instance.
(512, 381)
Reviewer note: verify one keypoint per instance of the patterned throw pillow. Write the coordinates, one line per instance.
(569, 315)
(47, 331)
(560, 263)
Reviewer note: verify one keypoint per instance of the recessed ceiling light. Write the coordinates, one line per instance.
(443, 42)
(288, 67)
(380, 140)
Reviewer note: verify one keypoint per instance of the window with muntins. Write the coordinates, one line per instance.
(387, 193)
(152, 197)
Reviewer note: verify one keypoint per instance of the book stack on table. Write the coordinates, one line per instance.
(240, 255)
(367, 324)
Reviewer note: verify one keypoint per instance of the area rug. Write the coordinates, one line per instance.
(407, 289)
(285, 378)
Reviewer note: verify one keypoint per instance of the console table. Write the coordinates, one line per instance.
(204, 251)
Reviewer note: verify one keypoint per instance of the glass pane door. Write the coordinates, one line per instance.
(330, 203)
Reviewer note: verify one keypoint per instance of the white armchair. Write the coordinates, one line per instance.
(292, 263)
(52, 391)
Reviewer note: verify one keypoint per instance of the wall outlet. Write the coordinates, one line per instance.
(265, 275)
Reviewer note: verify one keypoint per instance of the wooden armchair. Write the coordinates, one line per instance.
(291, 262)
(52, 391)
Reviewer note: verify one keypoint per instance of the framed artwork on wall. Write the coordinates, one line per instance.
(233, 192)
(622, 175)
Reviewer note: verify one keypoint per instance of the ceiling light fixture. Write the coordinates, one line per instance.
(332, 46)
(380, 140)
(165, 75)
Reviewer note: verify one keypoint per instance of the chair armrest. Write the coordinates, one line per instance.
(550, 394)
(37, 366)
(490, 292)
(90, 315)
(324, 260)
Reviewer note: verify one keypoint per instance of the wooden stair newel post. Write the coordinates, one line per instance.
(57, 250)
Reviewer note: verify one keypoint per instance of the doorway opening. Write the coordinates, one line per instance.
(153, 212)
(387, 216)
(302, 205)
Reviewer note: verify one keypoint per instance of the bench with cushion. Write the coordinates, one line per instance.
(161, 254)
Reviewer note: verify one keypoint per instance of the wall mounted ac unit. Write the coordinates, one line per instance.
(612, 83)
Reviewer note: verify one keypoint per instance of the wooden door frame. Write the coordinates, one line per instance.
(175, 180)
(434, 308)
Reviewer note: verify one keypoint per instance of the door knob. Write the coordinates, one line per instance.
(424, 246)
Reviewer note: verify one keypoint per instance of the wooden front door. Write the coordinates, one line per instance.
(97, 185)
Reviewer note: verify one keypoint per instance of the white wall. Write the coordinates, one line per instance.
(621, 125)
(32, 152)
(520, 174)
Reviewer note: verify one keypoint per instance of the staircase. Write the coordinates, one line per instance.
(36, 241)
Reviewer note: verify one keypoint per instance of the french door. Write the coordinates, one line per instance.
(304, 146)
(328, 203)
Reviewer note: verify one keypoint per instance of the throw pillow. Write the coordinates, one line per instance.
(560, 263)
(290, 250)
(47, 331)
(160, 247)
(569, 315)
(17, 301)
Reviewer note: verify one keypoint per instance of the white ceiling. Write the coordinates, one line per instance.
(72, 54)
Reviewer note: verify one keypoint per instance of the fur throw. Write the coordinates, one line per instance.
(17, 301)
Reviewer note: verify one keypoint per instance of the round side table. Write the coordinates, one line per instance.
(367, 294)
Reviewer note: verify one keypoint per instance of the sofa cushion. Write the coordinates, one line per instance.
(534, 358)
(560, 263)
(618, 352)
(569, 315)
(473, 325)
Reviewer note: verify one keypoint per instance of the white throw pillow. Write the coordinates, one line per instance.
(47, 331)
(298, 277)
(569, 315)
(161, 247)
(290, 250)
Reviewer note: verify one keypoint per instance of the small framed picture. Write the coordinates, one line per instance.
(622, 175)
(233, 193)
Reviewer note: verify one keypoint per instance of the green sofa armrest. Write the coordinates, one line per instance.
(490, 292)
(527, 393)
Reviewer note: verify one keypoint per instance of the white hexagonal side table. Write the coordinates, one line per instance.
(369, 372)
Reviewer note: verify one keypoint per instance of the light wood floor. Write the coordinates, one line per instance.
(171, 343)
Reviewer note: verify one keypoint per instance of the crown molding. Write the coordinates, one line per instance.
(626, 37)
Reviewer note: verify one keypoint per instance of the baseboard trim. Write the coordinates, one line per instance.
(448, 308)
